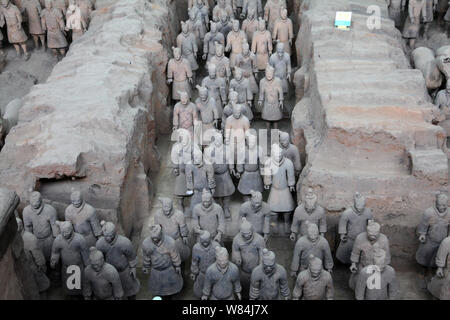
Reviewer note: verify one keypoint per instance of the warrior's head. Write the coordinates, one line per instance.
(36, 200)
(97, 259)
(246, 230)
(109, 231)
(166, 205)
(441, 202)
(205, 239)
(222, 258)
(310, 200)
(235, 25)
(238, 74)
(268, 261)
(207, 199)
(280, 49)
(312, 231)
(373, 231)
(66, 229)
(359, 202)
(270, 72)
(283, 13)
(261, 25)
(176, 53)
(156, 233)
(76, 199)
(315, 267)
(256, 200)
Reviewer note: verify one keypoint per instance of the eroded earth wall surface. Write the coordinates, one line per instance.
(92, 125)
(365, 121)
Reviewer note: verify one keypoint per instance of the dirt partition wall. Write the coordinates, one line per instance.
(365, 121)
(92, 125)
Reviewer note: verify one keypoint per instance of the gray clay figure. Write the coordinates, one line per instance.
(281, 62)
(187, 42)
(237, 127)
(203, 255)
(196, 28)
(222, 279)
(442, 101)
(101, 280)
(290, 151)
(40, 219)
(241, 85)
(247, 252)
(271, 98)
(208, 216)
(75, 22)
(184, 114)
(224, 25)
(201, 14)
(364, 248)
(283, 31)
(250, 24)
(279, 177)
(86, 8)
(233, 98)
(416, 10)
(387, 283)
(352, 222)
(209, 43)
(12, 17)
(174, 225)
(308, 211)
(258, 214)
(209, 114)
(251, 5)
(35, 256)
(160, 255)
(33, 11)
(249, 171)
(222, 8)
(119, 252)
(70, 248)
(235, 38)
(199, 176)
(396, 8)
(315, 283)
(262, 45)
(222, 63)
(269, 280)
(311, 244)
(83, 218)
(437, 283)
(247, 62)
(433, 228)
(179, 74)
(216, 88)
(219, 157)
(52, 20)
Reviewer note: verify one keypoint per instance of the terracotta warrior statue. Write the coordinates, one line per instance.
(184, 114)
(179, 74)
(396, 8)
(119, 252)
(52, 20)
(193, 3)
(439, 283)
(241, 85)
(36, 258)
(70, 248)
(258, 214)
(236, 128)
(209, 43)
(33, 10)
(283, 31)
(271, 98)
(233, 98)
(281, 62)
(250, 25)
(315, 283)
(203, 255)
(262, 45)
(86, 7)
(2, 53)
(222, 7)
(75, 22)
(433, 228)
(40, 219)
(222, 279)
(246, 61)
(61, 5)
(428, 16)
(201, 12)
(174, 225)
(279, 177)
(222, 64)
(84, 219)
(269, 280)
(311, 244)
(199, 176)
(208, 112)
(196, 27)
(208, 216)
(290, 151)
(308, 211)
(272, 12)
(218, 155)
(247, 252)
(442, 101)
(411, 28)
(162, 259)
(364, 248)
(353, 221)
(251, 5)
(187, 43)
(249, 172)
(216, 88)
(235, 39)
(16, 35)
(387, 284)
(181, 155)
(224, 25)
(101, 280)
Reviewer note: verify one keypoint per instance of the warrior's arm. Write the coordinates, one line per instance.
(392, 288)
(295, 222)
(284, 288)
(298, 289)
(27, 223)
(236, 253)
(189, 178)
(254, 287)
(266, 12)
(146, 258)
(329, 290)
(356, 252)
(328, 258)
(442, 253)
(360, 289)
(116, 284)
(130, 254)
(195, 263)
(291, 30)
(422, 228)
(95, 225)
(221, 221)
(342, 229)
(266, 225)
(84, 251)
(295, 265)
(52, 220)
(87, 289)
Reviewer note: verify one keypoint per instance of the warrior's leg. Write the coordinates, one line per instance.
(287, 217)
(63, 52)
(180, 202)
(35, 40)
(42, 38)
(55, 52)
(226, 207)
(425, 31)
(412, 43)
(17, 47)
(275, 125)
(268, 126)
(274, 223)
